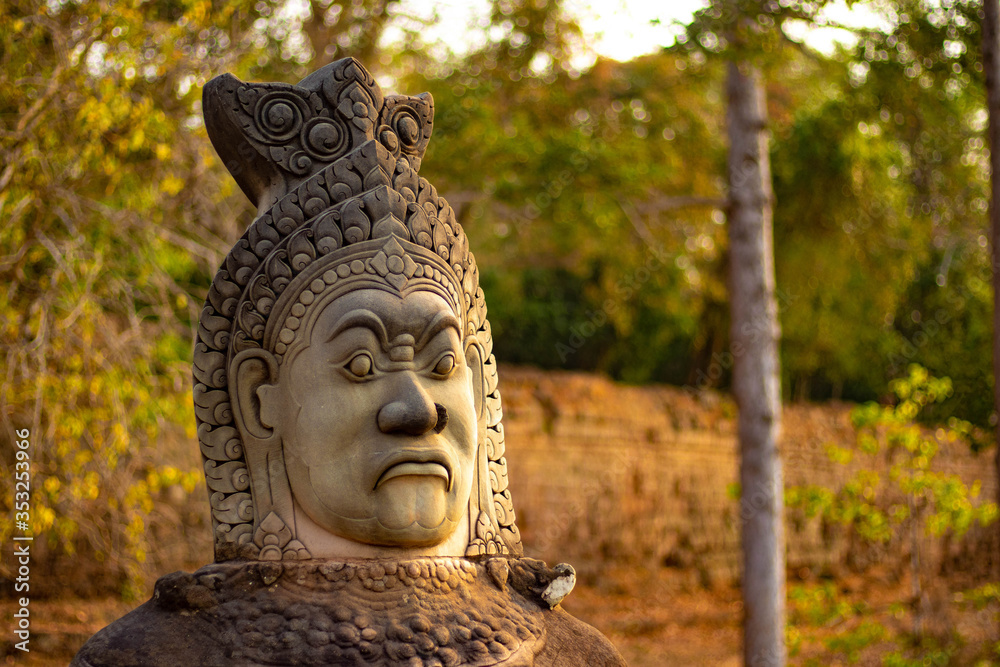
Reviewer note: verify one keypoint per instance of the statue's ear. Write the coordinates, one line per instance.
(475, 358)
(253, 379)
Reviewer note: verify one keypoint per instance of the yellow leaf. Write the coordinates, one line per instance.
(171, 185)
(138, 137)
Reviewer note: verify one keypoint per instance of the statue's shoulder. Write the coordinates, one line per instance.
(153, 635)
(569, 642)
(442, 611)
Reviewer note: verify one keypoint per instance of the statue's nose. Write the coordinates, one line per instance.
(410, 410)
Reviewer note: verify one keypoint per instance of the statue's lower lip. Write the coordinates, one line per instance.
(415, 468)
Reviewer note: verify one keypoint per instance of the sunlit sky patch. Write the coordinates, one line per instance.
(617, 29)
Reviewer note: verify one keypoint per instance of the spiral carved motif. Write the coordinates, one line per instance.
(325, 139)
(300, 163)
(406, 125)
(389, 139)
(279, 116)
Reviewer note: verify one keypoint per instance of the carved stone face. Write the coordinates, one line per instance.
(378, 420)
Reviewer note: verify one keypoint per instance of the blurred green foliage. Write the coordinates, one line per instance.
(595, 200)
(102, 263)
(882, 507)
(880, 178)
(895, 499)
(116, 213)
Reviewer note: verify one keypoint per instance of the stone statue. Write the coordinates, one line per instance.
(348, 415)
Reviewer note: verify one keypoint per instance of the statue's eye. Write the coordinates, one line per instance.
(445, 365)
(360, 366)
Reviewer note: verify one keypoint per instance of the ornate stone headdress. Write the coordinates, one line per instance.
(332, 166)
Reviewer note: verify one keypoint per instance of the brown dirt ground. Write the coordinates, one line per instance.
(656, 619)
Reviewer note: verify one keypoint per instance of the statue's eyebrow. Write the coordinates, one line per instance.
(361, 318)
(441, 321)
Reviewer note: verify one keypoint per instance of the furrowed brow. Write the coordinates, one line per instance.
(440, 322)
(364, 319)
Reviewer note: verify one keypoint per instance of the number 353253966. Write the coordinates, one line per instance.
(22, 479)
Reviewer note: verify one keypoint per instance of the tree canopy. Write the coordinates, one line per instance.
(594, 201)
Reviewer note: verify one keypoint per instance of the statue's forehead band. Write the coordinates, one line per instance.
(386, 266)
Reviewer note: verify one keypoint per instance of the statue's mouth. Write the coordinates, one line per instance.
(408, 463)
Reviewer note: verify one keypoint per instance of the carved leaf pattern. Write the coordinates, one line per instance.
(221, 443)
(278, 271)
(288, 216)
(232, 508)
(356, 223)
(301, 250)
(235, 533)
(224, 295)
(261, 294)
(328, 236)
(227, 477)
(241, 262)
(262, 239)
(314, 196)
(213, 374)
(419, 226)
(345, 182)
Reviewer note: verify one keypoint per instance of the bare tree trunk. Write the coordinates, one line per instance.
(915, 588)
(756, 377)
(991, 67)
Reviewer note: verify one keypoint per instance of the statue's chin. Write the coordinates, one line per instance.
(408, 511)
(374, 532)
(412, 500)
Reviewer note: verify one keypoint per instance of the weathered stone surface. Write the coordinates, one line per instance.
(369, 612)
